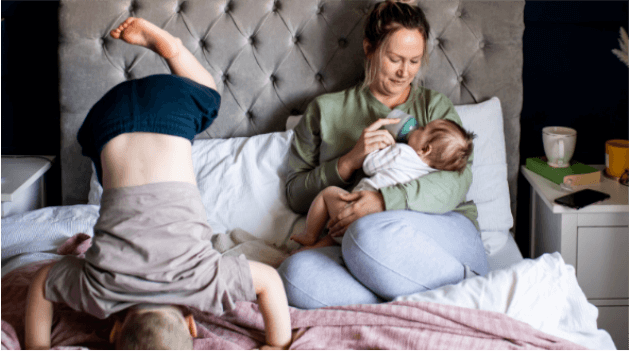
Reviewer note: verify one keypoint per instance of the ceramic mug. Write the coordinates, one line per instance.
(616, 157)
(559, 143)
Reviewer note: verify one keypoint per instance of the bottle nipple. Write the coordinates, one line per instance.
(409, 126)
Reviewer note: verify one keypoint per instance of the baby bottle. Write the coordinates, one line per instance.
(403, 128)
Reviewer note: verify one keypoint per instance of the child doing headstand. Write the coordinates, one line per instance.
(151, 252)
(440, 145)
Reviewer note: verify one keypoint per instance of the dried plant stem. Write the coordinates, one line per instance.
(624, 43)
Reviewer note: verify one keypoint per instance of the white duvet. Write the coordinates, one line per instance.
(543, 293)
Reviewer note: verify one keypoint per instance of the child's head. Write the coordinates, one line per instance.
(443, 145)
(154, 327)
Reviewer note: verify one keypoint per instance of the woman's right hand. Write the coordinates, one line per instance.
(372, 139)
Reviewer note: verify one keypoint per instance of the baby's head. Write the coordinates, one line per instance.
(154, 327)
(443, 145)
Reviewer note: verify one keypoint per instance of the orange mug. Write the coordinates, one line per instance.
(616, 157)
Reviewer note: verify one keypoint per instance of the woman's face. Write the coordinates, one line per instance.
(399, 63)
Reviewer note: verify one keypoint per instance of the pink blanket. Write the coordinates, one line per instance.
(394, 325)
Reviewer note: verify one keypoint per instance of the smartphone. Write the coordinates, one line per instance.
(582, 198)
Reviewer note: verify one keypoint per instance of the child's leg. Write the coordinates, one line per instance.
(325, 204)
(132, 159)
(315, 221)
(138, 31)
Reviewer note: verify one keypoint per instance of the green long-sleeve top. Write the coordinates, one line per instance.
(332, 125)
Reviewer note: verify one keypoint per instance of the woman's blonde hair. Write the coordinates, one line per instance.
(386, 18)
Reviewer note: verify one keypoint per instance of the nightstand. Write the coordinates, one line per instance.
(594, 239)
(23, 187)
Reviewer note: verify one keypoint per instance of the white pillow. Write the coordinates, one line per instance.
(96, 190)
(489, 189)
(242, 183)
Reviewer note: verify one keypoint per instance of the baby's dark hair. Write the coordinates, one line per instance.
(451, 145)
(385, 18)
(153, 331)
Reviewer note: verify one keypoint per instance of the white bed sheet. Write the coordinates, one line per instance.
(35, 236)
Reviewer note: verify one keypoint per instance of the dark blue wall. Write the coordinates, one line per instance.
(30, 98)
(571, 78)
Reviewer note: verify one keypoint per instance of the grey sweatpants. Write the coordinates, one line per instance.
(151, 245)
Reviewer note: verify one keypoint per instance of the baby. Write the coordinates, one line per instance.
(440, 145)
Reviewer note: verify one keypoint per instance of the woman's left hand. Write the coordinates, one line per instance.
(361, 204)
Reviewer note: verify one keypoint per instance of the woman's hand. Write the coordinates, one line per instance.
(372, 139)
(360, 204)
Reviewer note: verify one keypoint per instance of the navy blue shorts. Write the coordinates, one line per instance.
(162, 103)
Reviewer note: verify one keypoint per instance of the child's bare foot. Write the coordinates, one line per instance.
(138, 31)
(304, 239)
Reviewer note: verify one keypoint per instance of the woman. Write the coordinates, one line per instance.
(401, 239)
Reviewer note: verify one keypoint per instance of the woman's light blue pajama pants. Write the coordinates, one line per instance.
(383, 256)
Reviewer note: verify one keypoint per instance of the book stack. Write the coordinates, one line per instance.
(574, 175)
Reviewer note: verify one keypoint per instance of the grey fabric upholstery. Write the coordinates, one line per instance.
(270, 58)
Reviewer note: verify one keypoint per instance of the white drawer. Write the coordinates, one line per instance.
(602, 261)
(602, 219)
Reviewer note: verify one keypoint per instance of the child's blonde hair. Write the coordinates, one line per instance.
(153, 331)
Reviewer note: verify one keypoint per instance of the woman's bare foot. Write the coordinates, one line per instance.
(304, 239)
(138, 31)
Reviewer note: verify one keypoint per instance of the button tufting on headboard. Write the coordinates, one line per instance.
(271, 57)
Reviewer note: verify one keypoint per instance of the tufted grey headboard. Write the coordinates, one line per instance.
(271, 57)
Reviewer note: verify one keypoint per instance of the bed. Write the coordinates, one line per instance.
(269, 59)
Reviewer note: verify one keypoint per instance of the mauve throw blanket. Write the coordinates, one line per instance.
(394, 325)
